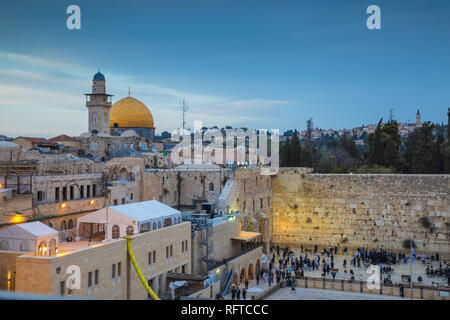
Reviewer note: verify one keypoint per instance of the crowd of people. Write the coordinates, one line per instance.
(284, 264)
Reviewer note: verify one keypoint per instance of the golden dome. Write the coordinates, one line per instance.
(130, 113)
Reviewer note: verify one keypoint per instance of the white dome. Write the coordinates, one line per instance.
(129, 133)
(8, 145)
(101, 134)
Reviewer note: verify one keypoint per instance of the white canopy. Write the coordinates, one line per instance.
(153, 214)
(28, 237)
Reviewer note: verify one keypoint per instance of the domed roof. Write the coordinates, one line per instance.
(130, 113)
(8, 145)
(129, 133)
(99, 76)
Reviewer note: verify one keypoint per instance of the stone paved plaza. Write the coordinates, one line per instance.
(321, 294)
(399, 269)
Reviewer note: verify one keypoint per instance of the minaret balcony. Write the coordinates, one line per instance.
(94, 103)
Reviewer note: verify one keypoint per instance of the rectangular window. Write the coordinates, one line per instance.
(131, 196)
(64, 193)
(186, 245)
(182, 246)
(94, 190)
(56, 194)
(150, 258)
(154, 256)
(261, 203)
(167, 252)
(72, 190)
(89, 279)
(119, 267)
(268, 201)
(115, 202)
(40, 196)
(96, 277)
(113, 275)
(88, 191)
(171, 251)
(123, 200)
(82, 192)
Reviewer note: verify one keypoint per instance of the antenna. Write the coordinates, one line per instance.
(183, 108)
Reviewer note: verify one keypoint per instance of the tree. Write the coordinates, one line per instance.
(384, 146)
(423, 151)
(445, 148)
(290, 152)
(438, 156)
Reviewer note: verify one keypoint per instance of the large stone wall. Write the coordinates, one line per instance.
(361, 210)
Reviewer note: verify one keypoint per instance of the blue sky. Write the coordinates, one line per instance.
(252, 63)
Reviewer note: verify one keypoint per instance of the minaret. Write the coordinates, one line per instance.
(98, 103)
(418, 124)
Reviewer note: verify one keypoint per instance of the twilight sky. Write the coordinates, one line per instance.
(252, 63)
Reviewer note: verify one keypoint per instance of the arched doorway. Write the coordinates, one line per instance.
(251, 272)
(258, 267)
(42, 248)
(242, 275)
(235, 279)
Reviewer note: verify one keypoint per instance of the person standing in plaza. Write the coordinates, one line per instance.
(233, 293)
(238, 294)
(246, 283)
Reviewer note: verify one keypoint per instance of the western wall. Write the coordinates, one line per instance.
(361, 210)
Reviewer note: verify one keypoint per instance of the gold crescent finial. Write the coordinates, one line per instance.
(129, 92)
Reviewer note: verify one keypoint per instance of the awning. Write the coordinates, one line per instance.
(247, 236)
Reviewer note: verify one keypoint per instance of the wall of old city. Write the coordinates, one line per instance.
(374, 211)
(254, 200)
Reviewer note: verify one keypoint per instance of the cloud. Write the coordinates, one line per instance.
(50, 87)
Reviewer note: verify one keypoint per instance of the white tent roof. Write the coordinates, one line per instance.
(142, 211)
(37, 228)
(34, 229)
(137, 211)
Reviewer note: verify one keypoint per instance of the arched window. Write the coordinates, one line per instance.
(70, 225)
(130, 230)
(4, 245)
(24, 246)
(115, 231)
(63, 225)
(154, 226)
(211, 186)
(179, 219)
(123, 174)
(50, 225)
(159, 224)
(42, 248)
